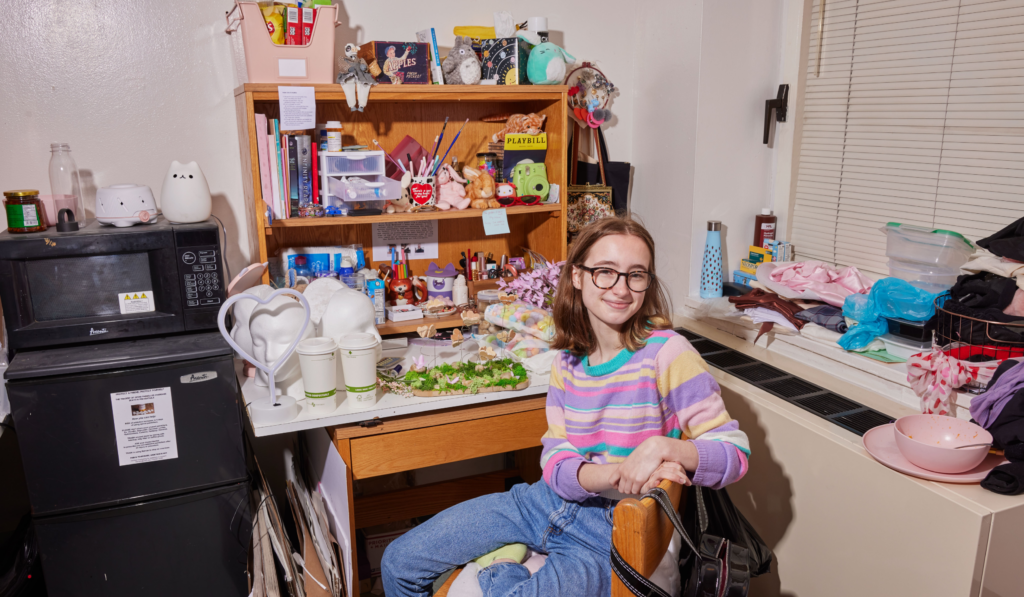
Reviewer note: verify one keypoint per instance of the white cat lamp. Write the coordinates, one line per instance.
(185, 197)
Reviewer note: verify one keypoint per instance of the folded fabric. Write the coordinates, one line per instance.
(889, 297)
(984, 261)
(1007, 479)
(523, 318)
(1008, 242)
(830, 284)
(933, 376)
(767, 300)
(827, 316)
(984, 290)
(985, 408)
(762, 315)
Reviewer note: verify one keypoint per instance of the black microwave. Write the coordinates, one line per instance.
(105, 283)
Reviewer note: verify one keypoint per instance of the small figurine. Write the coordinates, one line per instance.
(401, 292)
(461, 66)
(355, 78)
(520, 123)
(419, 291)
(419, 364)
(505, 190)
(451, 192)
(480, 190)
(403, 203)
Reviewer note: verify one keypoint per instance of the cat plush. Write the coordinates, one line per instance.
(461, 66)
(546, 64)
(480, 191)
(185, 197)
(520, 123)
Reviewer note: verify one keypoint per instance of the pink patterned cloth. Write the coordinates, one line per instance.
(933, 376)
(832, 285)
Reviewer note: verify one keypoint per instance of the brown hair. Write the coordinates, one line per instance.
(572, 322)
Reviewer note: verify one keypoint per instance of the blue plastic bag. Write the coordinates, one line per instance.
(889, 297)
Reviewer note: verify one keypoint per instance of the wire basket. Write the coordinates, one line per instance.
(969, 338)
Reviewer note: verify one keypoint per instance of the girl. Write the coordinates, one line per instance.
(630, 403)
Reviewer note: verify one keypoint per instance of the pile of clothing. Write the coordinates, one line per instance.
(1000, 410)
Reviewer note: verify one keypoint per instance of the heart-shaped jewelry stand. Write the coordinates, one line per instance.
(273, 409)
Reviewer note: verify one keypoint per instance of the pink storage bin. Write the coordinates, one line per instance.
(266, 62)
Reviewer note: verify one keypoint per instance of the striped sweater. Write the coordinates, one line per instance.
(600, 414)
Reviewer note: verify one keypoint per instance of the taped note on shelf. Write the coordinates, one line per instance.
(136, 302)
(144, 426)
(495, 221)
(297, 106)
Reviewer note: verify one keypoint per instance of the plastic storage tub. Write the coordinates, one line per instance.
(353, 163)
(902, 347)
(932, 278)
(357, 193)
(939, 248)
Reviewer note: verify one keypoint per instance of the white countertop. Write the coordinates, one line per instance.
(388, 404)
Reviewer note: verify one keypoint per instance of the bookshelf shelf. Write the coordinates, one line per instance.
(392, 113)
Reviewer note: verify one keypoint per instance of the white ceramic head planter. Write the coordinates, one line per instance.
(273, 328)
(185, 197)
(348, 312)
(242, 314)
(318, 294)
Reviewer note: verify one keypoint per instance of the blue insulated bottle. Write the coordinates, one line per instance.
(711, 269)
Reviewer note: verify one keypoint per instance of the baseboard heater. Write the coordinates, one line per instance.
(848, 414)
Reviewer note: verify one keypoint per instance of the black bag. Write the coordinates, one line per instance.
(616, 174)
(727, 554)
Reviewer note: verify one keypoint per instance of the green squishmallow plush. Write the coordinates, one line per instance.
(546, 64)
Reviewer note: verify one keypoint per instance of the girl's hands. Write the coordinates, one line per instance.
(634, 472)
(673, 471)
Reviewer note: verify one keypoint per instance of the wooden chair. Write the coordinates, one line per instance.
(641, 532)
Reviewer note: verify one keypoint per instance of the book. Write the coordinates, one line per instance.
(304, 167)
(504, 61)
(316, 178)
(275, 172)
(263, 151)
(429, 37)
(519, 148)
(293, 177)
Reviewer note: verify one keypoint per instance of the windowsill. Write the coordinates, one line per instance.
(888, 380)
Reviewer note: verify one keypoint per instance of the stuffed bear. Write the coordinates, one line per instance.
(461, 66)
(481, 189)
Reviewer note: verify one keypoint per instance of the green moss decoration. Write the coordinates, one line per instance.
(464, 378)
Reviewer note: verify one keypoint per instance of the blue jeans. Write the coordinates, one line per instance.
(576, 536)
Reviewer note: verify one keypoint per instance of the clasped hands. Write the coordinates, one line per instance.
(653, 461)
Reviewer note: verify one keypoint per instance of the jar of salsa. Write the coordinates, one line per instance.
(24, 211)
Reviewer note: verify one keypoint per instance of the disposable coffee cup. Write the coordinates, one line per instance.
(318, 361)
(358, 353)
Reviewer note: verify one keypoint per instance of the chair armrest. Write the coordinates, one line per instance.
(641, 533)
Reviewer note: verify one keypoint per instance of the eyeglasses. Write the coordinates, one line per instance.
(605, 278)
(524, 200)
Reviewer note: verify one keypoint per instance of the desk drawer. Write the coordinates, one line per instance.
(416, 448)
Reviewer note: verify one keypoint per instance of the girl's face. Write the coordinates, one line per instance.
(616, 305)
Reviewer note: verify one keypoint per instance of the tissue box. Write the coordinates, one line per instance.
(409, 62)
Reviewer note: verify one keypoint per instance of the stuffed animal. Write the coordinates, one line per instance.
(451, 193)
(403, 203)
(546, 64)
(355, 78)
(506, 190)
(520, 123)
(481, 189)
(461, 66)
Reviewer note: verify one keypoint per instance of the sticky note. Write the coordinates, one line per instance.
(495, 221)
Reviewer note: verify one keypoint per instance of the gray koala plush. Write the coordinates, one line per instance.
(461, 67)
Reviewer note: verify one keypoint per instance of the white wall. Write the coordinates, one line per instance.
(133, 85)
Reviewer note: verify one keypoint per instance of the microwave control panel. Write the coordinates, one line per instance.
(199, 265)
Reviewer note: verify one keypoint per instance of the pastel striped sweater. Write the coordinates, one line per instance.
(600, 414)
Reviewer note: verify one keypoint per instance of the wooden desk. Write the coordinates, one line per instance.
(415, 441)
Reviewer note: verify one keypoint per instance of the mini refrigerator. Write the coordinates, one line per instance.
(135, 466)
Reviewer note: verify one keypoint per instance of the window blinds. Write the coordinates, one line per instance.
(917, 116)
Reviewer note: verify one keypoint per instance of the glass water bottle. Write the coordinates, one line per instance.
(65, 185)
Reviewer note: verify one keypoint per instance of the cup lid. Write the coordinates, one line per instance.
(311, 346)
(357, 341)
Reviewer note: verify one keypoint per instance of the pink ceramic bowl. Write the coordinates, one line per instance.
(929, 441)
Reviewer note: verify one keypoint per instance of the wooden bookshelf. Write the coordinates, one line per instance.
(394, 111)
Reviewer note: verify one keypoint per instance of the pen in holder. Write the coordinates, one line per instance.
(274, 409)
(424, 192)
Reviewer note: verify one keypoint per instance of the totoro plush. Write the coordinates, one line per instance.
(461, 66)
(185, 197)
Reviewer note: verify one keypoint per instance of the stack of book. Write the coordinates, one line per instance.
(288, 169)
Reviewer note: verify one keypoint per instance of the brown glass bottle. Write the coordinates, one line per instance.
(764, 227)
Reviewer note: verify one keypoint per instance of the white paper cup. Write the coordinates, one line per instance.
(358, 354)
(318, 361)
